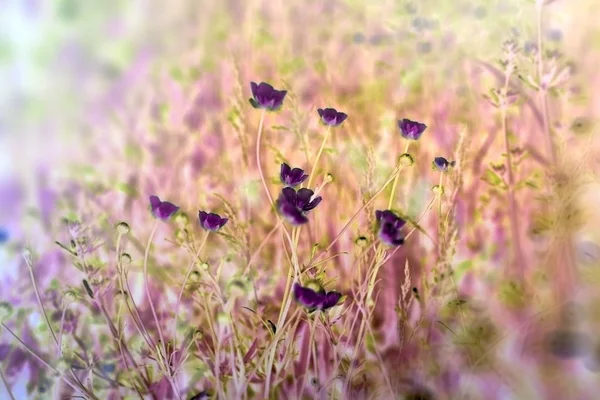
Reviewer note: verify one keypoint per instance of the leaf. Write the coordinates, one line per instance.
(493, 178)
(62, 246)
(456, 303)
(133, 153)
(462, 269)
(126, 188)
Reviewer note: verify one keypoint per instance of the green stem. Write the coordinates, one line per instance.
(356, 214)
(393, 193)
(147, 288)
(314, 167)
(8, 389)
(187, 276)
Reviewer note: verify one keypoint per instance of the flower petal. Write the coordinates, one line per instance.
(166, 210)
(308, 297)
(341, 117)
(154, 202)
(331, 300)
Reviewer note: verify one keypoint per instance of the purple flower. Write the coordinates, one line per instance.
(332, 117)
(162, 209)
(568, 344)
(4, 350)
(441, 164)
(4, 236)
(292, 176)
(390, 228)
(294, 205)
(313, 300)
(203, 395)
(265, 97)
(211, 221)
(411, 129)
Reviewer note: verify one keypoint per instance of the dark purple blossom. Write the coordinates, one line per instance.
(441, 164)
(390, 228)
(295, 205)
(292, 176)
(265, 97)
(162, 209)
(4, 350)
(313, 300)
(331, 117)
(411, 129)
(211, 221)
(4, 236)
(564, 343)
(203, 395)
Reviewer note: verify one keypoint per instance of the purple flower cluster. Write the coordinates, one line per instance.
(411, 130)
(316, 299)
(164, 210)
(441, 164)
(211, 221)
(294, 205)
(292, 176)
(331, 117)
(390, 228)
(264, 96)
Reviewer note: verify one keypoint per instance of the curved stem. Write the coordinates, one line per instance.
(280, 321)
(260, 171)
(8, 389)
(81, 390)
(542, 90)
(393, 193)
(440, 194)
(356, 214)
(261, 245)
(262, 176)
(187, 276)
(512, 204)
(147, 288)
(39, 299)
(135, 316)
(314, 167)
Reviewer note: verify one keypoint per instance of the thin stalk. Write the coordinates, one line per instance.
(287, 301)
(187, 276)
(60, 331)
(147, 288)
(371, 275)
(260, 171)
(357, 213)
(440, 193)
(46, 319)
(314, 167)
(512, 204)
(283, 312)
(262, 176)
(313, 346)
(39, 299)
(81, 390)
(135, 316)
(393, 193)
(542, 90)
(262, 244)
(8, 389)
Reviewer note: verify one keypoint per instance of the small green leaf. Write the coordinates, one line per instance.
(126, 188)
(462, 269)
(492, 178)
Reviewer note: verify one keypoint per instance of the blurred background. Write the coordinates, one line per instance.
(105, 102)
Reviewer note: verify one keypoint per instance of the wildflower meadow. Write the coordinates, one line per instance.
(345, 199)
